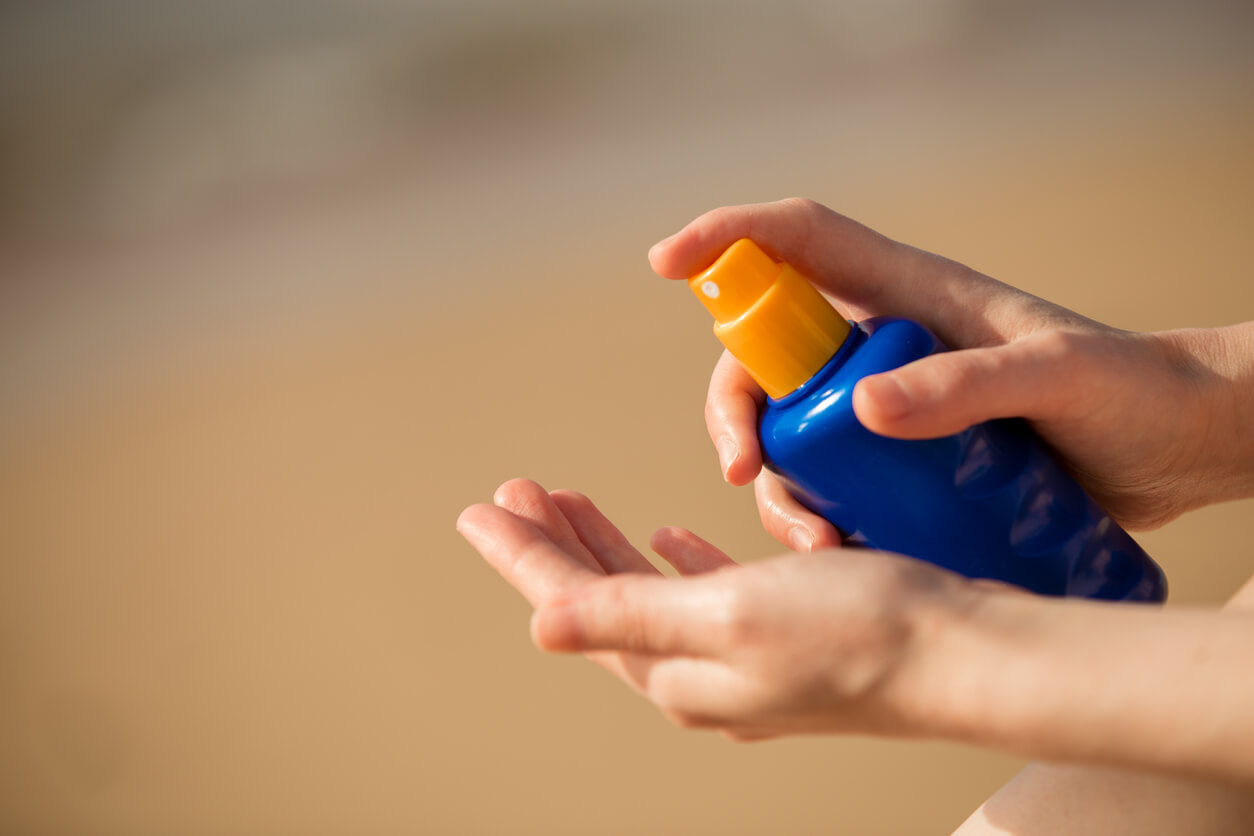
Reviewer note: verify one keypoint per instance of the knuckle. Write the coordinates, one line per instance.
(630, 629)
(736, 619)
(802, 206)
(1051, 343)
(1056, 344)
(720, 218)
(1070, 354)
(720, 213)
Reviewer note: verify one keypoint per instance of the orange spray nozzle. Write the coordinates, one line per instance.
(780, 328)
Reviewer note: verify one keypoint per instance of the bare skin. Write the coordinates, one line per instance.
(1152, 424)
(1055, 798)
(855, 641)
(858, 641)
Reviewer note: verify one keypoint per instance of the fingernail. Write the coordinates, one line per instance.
(728, 454)
(890, 397)
(801, 540)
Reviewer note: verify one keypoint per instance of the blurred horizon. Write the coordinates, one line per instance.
(141, 141)
(125, 119)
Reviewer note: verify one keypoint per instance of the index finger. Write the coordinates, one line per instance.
(867, 272)
(635, 614)
(523, 555)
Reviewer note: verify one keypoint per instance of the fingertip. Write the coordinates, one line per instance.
(744, 469)
(465, 520)
(698, 244)
(826, 536)
(882, 398)
(888, 406)
(658, 255)
(810, 534)
(788, 521)
(474, 519)
(668, 258)
(555, 628)
(663, 537)
(935, 396)
(515, 491)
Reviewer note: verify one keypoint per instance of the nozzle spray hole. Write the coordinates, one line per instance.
(710, 289)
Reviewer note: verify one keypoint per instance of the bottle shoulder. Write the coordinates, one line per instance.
(875, 345)
(891, 342)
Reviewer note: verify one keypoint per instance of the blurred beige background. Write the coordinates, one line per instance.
(284, 286)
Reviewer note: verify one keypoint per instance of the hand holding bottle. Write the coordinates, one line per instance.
(1151, 424)
(864, 641)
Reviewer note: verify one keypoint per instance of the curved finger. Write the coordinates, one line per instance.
(633, 614)
(731, 417)
(1032, 378)
(788, 521)
(868, 272)
(668, 682)
(814, 239)
(532, 502)
(604, 541)
(688, 553)
(704, 693)
(522, 553)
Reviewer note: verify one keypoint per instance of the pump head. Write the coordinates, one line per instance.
(780, 328)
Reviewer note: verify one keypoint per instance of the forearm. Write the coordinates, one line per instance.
(1127, 685)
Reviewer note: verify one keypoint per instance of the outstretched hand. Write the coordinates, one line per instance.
(802, 643)
(1147, 422)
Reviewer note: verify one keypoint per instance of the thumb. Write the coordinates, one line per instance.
(945, 393)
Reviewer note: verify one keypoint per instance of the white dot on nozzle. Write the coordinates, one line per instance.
(710, 289)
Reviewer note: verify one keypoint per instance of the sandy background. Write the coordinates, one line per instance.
(283, 287)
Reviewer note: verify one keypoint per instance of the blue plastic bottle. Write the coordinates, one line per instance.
(988, 502)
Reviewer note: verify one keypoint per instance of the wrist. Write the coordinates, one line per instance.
(990, 672)
(978, 672)
(1219, 365)
(926, 696)
(1116, 684)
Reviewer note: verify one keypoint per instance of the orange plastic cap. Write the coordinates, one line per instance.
(780, 328)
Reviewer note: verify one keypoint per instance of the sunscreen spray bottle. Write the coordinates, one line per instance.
(988, 502)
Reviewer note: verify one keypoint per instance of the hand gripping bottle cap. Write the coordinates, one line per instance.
(780, 328)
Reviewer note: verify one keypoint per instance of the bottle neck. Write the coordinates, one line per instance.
(857, 336)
